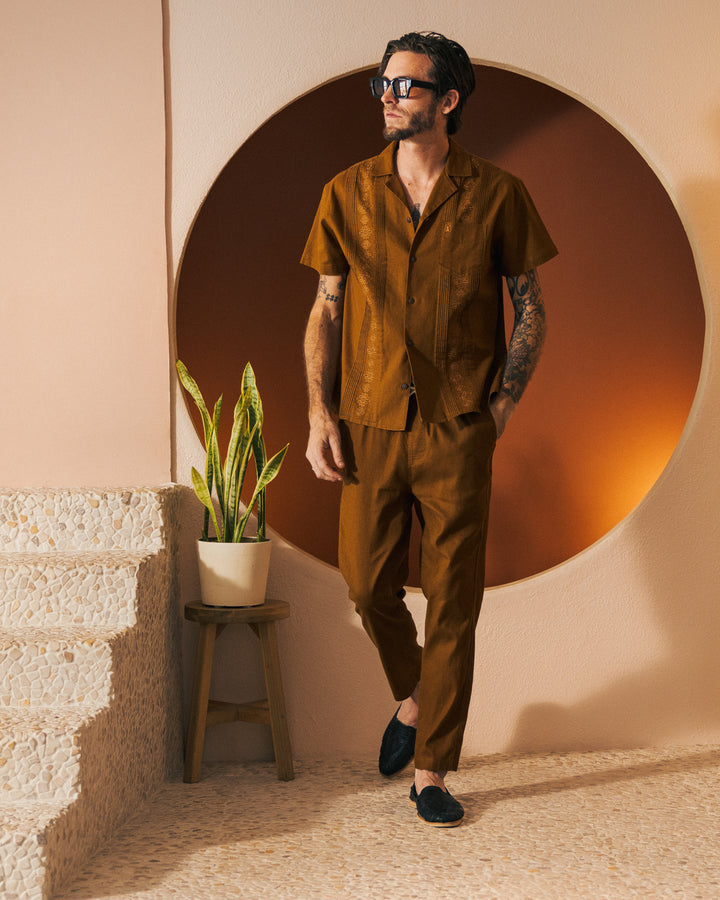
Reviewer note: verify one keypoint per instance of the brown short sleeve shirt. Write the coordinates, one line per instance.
(423, 307)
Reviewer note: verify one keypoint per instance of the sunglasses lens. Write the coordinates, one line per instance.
(401, 87)
(378, 86)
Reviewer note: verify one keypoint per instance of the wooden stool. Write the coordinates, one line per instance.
(203, 711)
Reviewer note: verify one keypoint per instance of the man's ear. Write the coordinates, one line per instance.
(450, 101)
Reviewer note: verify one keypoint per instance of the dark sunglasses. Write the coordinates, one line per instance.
(400, 86)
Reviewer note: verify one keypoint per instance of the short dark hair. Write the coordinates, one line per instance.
(451, 66)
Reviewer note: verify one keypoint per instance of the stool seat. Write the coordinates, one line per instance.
(243, 615)
(205, 712)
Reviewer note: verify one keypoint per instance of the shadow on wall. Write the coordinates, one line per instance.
(619, 372)
(672, 700)
(678, 569)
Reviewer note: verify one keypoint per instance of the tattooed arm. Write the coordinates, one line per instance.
(524, 347)
(322, 356)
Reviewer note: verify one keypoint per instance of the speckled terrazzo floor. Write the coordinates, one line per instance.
(642, 823)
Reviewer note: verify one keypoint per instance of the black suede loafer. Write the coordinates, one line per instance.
(437, 807)
(397, 747)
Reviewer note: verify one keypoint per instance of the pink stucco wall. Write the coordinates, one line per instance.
(616, 647)
(83, 289)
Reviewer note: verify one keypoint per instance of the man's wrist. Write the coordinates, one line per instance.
(319, 413)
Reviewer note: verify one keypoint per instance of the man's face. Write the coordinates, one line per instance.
(417, 114)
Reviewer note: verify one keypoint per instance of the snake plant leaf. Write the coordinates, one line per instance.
(249, 387)
(217, 469)
(261, 517)
(260, 457)
(236, 436)
(239, 414)
(190, 385)
(203, 495)
(272, 468)
(214, 449)
(233, 483)
(234, 469)
(209, 481)
(255, 414)
(246, 450)
(266, 476)
(243, 464)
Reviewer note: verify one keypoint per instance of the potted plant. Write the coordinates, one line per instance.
(233, 566)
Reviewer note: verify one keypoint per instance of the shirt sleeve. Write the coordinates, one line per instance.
(323, 250)
(521, 240)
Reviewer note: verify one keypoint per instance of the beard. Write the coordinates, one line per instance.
(419, 123)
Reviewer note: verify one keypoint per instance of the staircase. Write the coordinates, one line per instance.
(89, 673)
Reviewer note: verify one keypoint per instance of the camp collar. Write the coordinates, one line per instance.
(457, 163)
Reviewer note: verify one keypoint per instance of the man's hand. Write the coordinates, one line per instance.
(502, 406)
(324, 450)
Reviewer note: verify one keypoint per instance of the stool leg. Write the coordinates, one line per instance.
(199, 702)
(276, 701)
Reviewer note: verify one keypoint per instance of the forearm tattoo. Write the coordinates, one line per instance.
(528, 333)
(331, 294)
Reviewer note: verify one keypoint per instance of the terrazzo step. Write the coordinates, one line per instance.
(88, 589)
(24, 831)
(55, 667)
(40, 754)
(54, 519)
(89, 677)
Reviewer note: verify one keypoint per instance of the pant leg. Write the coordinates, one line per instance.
(450, 475)
(375, 524)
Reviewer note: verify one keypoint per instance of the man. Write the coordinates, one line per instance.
(407, 335)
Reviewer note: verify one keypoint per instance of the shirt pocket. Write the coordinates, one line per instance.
(466, 247)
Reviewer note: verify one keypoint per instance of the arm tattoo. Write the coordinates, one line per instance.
(328, 294)
(528, 333)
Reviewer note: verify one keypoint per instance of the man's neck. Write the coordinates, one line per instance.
(422, 161)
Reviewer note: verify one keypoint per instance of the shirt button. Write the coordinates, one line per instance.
(404, 386)
(409, 219)
(409, 343)
(411, 300)
(413, 259)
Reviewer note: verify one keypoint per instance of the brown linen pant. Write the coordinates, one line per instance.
(444, 471)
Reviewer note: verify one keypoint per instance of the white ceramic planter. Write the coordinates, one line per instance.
(233, 574)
